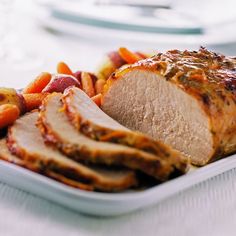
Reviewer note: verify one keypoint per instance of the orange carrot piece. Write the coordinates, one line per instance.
(87, 84)
(39, 83)
(99, 85)
(33, 100)
(128, 56)
(63, 68)
(141, 55)
(97, 99)
(8, 114)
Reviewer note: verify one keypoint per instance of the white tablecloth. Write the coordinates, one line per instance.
(206, 209)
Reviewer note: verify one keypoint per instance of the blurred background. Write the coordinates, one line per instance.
(36, 34)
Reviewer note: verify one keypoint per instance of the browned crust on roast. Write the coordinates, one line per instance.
(208, 77)
(36, 168)
(55, 168)
(97, 132)
(160, 168)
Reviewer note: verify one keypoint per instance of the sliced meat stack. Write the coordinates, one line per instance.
(56, 128)
(185, 99)
(26, 142)
(73, 141)
(6, 155)
(90, 120)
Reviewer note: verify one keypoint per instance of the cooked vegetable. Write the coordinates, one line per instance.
(8, 114)
(99, 85)
(37, 85)
(63, 68)
(109, 64)
(129, 56)
(87, 84)
(97, 99)
(60, 82)
(77, 75)
(10, 96)
(144, 55)
(33, 100)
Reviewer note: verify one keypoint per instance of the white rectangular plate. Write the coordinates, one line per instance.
(106, 204)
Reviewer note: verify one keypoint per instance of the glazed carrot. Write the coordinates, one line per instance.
(142, 55)
(97, 99)
(39, 83)
(8, 114)
(63, 68)
(33, 100)
(87, 84)
(128, 56)
(99, 85)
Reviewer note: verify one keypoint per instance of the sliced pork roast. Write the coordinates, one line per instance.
(57, 129)
(26, 142)
(90, 120)
(187, 99)
(6, 155)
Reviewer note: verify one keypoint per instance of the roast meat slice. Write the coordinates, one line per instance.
(6, 155)
(90, 120)
(57, 129)
(185, 99)
(25, 141)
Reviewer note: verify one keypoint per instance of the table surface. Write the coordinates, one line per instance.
(207, 208)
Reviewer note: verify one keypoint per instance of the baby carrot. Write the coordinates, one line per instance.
(8, 114)
(38, 84)
(87, 84)
(33, 100)
(97, 99)
(99, 85)
(128, 56)
(63, 68)
(142, 55)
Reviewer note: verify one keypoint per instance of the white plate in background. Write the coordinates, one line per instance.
(75, 22)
